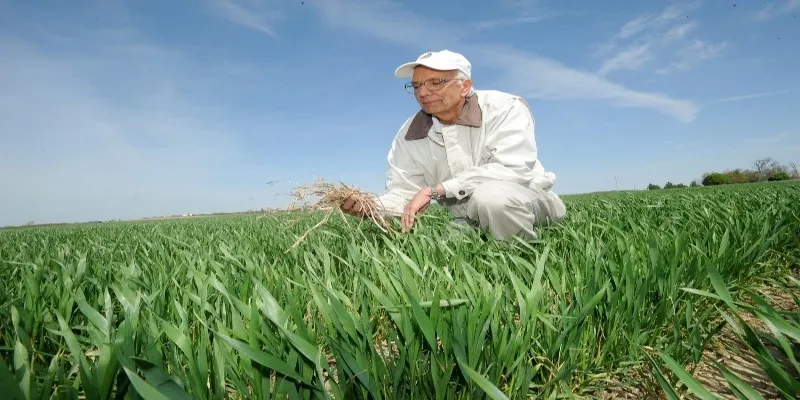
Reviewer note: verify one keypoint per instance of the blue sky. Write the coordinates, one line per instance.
(123, 109)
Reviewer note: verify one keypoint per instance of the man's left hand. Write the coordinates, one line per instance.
(419, 203)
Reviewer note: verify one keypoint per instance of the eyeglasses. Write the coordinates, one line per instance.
(432, 84)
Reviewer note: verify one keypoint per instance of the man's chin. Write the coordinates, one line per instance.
(430, 109)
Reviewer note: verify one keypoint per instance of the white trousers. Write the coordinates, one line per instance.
(509, 209)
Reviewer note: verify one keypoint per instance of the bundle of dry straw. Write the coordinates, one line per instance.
(329, 198)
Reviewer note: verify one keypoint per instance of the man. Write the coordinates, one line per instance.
(473, 151)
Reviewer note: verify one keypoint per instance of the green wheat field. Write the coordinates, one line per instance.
(627, 292)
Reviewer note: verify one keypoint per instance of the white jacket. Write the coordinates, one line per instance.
(492, 140)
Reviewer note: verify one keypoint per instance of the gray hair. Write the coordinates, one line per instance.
(462, 75)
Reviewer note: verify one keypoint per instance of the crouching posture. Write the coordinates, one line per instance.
(473, 151)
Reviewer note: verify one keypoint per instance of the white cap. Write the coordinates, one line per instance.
(444, 60)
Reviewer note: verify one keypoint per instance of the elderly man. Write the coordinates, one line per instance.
(473, 151)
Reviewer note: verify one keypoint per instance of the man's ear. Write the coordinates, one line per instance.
(465, 87)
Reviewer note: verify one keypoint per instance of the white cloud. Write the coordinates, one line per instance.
(679, 32)
(534, 75)
(503, 22)
(632, 58)
(777, 8)
(111, 133)
(545, 78)
(692, 54)
(389, 21)
(654, 22)
(634, 27)
(252, 16)
(750, 96)
(522, 12)
(522, 6)
(663, 37)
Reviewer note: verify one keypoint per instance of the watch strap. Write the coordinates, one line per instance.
(435, 193)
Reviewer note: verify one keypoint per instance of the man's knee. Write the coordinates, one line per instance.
(490, 196)
(500, 204)
(510, 200)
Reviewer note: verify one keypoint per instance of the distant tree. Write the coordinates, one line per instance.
(764, 169)
(739, 175)
(775, 167)
(761, 165)
(653, 186)
(670, 185)
(695, 183)
(779, 176)
(793, 171)
(716, 178)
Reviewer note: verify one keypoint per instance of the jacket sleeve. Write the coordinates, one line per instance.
(404, 176)
(512, 152)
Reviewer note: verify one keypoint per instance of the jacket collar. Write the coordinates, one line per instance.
(471, 115)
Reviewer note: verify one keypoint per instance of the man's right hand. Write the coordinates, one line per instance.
(352, 207)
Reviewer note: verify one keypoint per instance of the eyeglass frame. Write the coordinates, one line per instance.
(442, 81)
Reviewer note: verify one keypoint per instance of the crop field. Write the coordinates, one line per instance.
(628, 292)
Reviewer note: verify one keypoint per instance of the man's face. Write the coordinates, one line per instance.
(443, 97)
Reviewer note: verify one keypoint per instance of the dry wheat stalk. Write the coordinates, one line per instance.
(330, 197)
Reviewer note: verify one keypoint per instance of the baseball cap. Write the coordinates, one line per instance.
(444, 60)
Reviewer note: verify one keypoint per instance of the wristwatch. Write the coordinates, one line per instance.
(435, 195)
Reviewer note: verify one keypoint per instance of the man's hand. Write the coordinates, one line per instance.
(352, 207)
(418, 204)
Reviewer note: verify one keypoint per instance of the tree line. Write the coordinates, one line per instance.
(763, 170)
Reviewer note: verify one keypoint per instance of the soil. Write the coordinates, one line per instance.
(728, 350)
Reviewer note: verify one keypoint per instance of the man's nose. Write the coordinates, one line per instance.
(423, 91)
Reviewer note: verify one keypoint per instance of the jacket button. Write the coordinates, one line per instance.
(461, 192)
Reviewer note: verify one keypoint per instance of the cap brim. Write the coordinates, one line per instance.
(407, 70)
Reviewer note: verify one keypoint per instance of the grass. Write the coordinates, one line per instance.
(225, 307)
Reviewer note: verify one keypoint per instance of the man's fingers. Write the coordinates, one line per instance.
(348, 204)
(407, 223)
(408, 217)
(352, 207)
